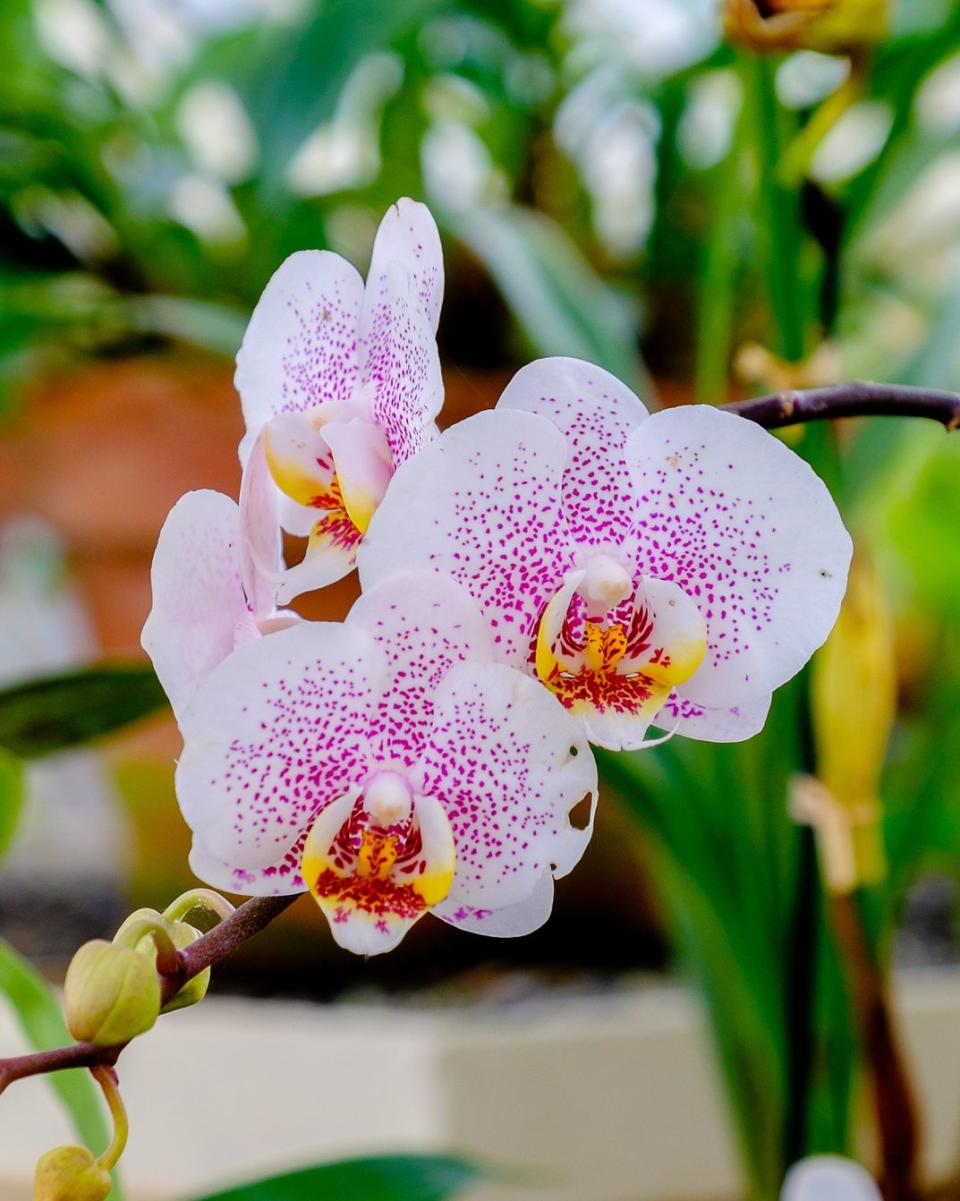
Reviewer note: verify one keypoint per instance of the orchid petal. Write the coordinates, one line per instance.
(829, 1178)
(278, 731)
(748, 530)
(300, 348)
(424, 623)
(713, 723)
(331, 554)
(509, 766)
(262, 550)
(364, 467)
(279, 878)
(300, 461)
(400, 367)
(678, 633)
(483, 505)
(512, 921)
(198, 596)
(596, 414)
(408, 236)
(331, 549)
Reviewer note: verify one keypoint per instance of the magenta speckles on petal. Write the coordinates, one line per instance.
(313, 716)
(747, 529)
(424, 624)
(568, 472)
(508, 765)
(408, 237)
(482, 505)
(401, 367)
(280, 730)
(300, 348)
(596, 413)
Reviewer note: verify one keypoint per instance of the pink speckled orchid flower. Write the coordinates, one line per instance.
(340, 384)
(829, 1178)
(390, 765)
(208, 595)
(669, 570)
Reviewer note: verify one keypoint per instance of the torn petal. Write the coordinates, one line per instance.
(510, 799)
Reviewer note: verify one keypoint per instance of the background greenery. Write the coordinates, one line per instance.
(610, 182)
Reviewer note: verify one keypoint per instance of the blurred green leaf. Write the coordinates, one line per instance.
(729, 864)
(563, 307)
(303, 70)
(55, 712)
(11, 797)
(384, 1178)
(38, 1013)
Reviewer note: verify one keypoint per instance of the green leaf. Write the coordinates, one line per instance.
(11, 798)
(562, 305)
(302, 72)
(48, 714)
(38, 1013)
(385, 1178)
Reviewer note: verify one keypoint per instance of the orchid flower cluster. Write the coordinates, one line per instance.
(565, 569)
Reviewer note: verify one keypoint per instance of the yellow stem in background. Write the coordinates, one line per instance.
(854, 700)
(106, 1078)
(795, 164)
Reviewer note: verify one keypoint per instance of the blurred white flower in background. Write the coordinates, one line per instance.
(217, 130)
(706, 128)
(807, 77)
(829, 1178)
(652, 37)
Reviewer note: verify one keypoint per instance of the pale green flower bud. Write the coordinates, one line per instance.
(70, 1174)
(195, 989)
(111, 993)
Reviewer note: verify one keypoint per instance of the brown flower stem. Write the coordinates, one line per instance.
(893, 1101)
(219, 943)
(856, 399)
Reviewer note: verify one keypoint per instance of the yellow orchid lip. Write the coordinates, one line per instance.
(611, 666)
(378, 862)
(341, 466)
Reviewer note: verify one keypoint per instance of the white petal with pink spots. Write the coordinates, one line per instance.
(286, 727)
(508, 502)
(339, 355)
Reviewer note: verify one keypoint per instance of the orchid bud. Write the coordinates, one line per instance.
(70, 1174)
(196, 987)
(830, 26)
(854, 692)
(111, 993)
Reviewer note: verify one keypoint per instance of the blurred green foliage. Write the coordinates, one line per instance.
(387, 1178)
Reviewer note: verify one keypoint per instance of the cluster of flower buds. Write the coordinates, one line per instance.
(113, 990)
(112, 993)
